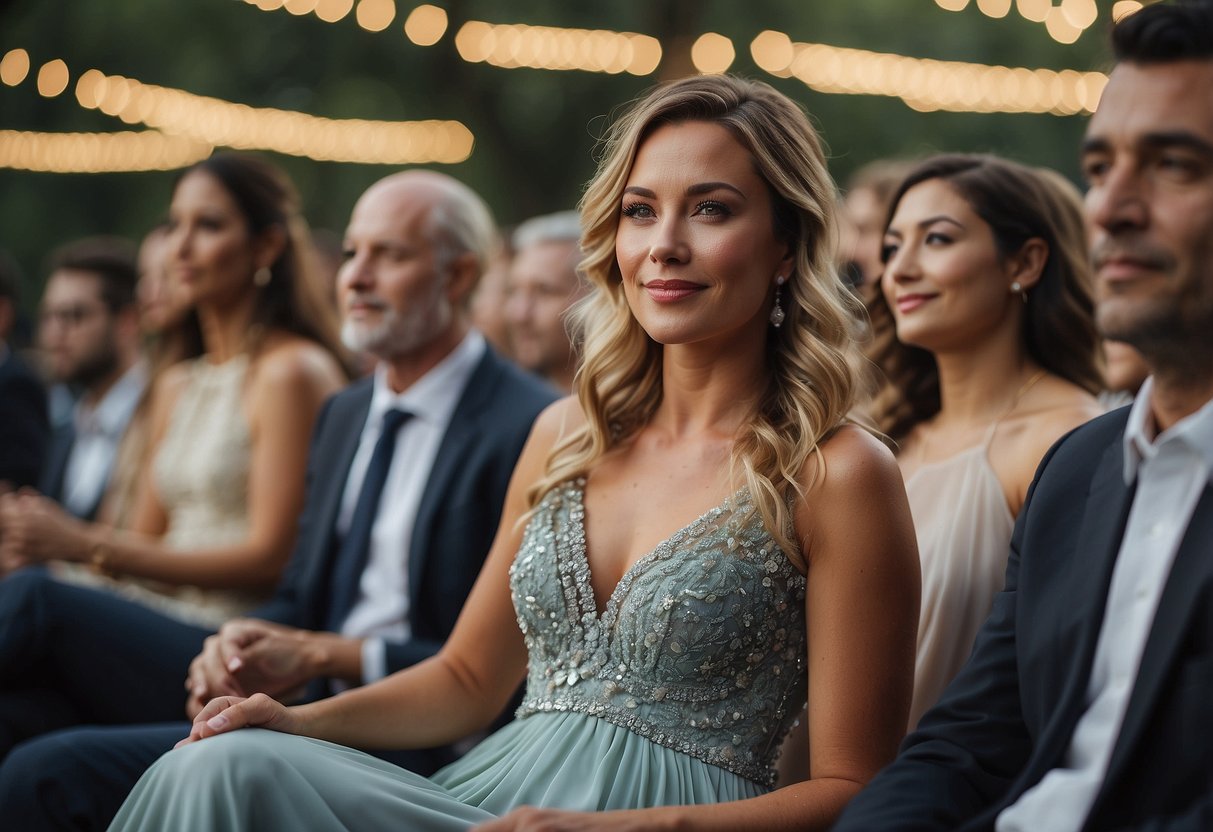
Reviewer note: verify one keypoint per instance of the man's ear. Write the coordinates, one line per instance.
(1026, 265)
(462, 276)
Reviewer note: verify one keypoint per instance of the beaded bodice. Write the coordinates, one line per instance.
(701, 646)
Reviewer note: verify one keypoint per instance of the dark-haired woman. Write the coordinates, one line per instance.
(214, 521)
(985, 330)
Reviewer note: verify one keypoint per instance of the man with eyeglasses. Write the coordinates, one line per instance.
(89, 334)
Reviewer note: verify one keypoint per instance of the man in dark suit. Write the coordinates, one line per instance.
(89, 333)
(406, 479)
(1087, 699)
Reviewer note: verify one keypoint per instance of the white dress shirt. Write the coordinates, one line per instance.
(1171, 470)
(381, 610)
(99, 430)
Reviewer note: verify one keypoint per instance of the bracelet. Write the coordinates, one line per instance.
(101, 557)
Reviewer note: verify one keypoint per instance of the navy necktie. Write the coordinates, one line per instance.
(352, 555)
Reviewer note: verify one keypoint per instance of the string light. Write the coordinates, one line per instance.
(1124, 8)
(375, 15)
(712, 53)
(53, 78)
(215, 122)
(425, 25)
(14, 67)
(1064, 22)
(330, 11)
(927, 85)
(98, 152)
(548, 47)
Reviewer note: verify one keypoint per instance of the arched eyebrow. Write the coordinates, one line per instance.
(693, 190)
(929, 221)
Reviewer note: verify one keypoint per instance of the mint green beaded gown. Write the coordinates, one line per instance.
(679, 692)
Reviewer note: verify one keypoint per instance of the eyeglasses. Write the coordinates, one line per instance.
(69, 316)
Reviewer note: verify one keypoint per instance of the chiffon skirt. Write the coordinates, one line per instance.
(263, 780)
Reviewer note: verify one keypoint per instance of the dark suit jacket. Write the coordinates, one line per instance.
(457, 517)
(23, 422)
(1008, 717)
(54, 471)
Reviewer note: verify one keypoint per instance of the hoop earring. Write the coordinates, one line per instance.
(262, 277)
(777, 314)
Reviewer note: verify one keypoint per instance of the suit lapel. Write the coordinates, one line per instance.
(1188, 577)
(333, 469)
(1087, 576)
(460, 434)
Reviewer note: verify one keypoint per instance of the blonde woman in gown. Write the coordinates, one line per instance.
(664, 657)
(214, 519)
(994, 356)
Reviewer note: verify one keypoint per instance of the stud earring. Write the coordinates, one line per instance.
(262, 277)
(1018, 289)
(777, 315)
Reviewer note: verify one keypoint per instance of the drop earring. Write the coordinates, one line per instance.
(1018, 289)
(777, 315)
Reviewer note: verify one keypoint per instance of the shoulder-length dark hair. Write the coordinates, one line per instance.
(295, 299)
(1019, 204)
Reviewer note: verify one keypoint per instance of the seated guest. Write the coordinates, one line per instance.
(542, 284)
(215, 518)
(169, 333)
(664, 662)
(23, 416)
(89, 335)
(1085, 701)
(994, 355)
(487, 306)
(393, 533)
(865, 210)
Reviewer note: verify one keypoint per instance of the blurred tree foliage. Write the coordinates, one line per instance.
(535, 130)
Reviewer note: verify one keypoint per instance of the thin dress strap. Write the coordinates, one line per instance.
(1024, 388)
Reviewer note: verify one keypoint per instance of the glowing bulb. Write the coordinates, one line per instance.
(14, 67)
(994, 8)
(53, 78)
(375, 15)
(951, 5)
(772, 51)
(1080, 13)
(1124, 8)
(1060, 28)
(330, 11)
(712, 53)
(1034, 10)
(425, 25)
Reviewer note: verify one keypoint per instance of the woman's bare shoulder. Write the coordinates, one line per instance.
(558, 420)
(290, 361)
(1061, 407)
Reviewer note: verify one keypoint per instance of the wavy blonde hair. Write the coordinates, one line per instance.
(810, 387)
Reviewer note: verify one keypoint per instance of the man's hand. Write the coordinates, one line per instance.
(250, 656)
(37, 530)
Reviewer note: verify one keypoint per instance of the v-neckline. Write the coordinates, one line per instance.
(605, 614)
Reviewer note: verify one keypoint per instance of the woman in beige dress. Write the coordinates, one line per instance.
(985, 330)
(214, 520)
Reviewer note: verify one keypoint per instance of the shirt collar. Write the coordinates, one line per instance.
(1141, 444)
(111, 415)
(432, 398)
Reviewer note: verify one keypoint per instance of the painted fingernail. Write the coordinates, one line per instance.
(217, 723)
(235, 664)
